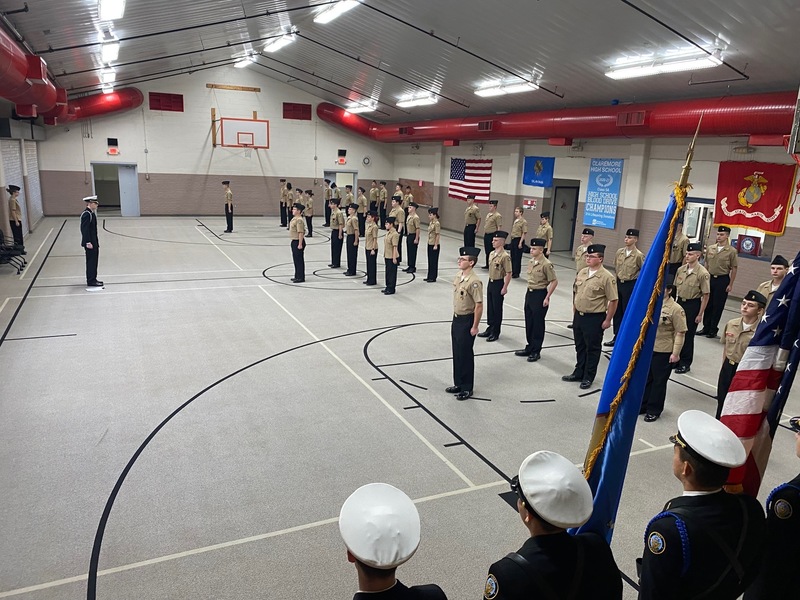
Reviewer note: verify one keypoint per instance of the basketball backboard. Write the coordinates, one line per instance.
(244, 133)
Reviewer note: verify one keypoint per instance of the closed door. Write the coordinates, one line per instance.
(128, 191)
(562, 217)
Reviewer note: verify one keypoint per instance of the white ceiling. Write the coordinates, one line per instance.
(387, 48)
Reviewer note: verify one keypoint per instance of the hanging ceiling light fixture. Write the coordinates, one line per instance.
(110, 10)
(696, 59)
(498, 88)
(108, 75)
(355, 108)
(416, 100)
(109, 51)
(107, 88)
(245, 62)
(278, 43)
(335, 10)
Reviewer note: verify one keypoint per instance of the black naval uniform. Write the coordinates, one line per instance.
(556, 566)
(782, 557)
(400, 592)
(89, 235)
(686, 546)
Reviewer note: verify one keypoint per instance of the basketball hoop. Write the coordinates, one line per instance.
(248, 150)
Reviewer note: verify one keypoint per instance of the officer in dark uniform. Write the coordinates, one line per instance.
(380, 527)
(553, 495)
(90, 243)
(706, 543)
(467, 311)
(776, 579)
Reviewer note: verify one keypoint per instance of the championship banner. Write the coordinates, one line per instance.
(602, 192)
(754, 195)
(538, 171)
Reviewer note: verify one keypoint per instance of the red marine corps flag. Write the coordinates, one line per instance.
(754, 195)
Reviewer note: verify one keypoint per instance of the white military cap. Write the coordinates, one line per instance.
(703, 435)
(555, 489)
(380, 525)
(90, 199)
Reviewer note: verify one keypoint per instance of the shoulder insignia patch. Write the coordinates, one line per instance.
(492, 588)
(656, 543)
(783, 509)
(474, 285)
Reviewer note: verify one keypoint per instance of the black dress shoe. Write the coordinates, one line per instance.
(453, 389)
(330, 264)
(682, 369)
(701, 332)
(485, 333)
(572, 377)
(294, 279)
(586, 384)
(611, 343)
(299, 280)
(534, 357)
(348, 274)
(651, 418)
(426, 280)
(406, 270)
(522, 353)
(430, 280)
(389, 292)
(712, 336)
(515, 277)
(464, 395)
(493, 338)
(569, 326)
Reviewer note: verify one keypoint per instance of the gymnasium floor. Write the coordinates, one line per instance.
(219, 415)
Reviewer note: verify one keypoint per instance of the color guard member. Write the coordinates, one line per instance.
(412, 237)
(467, 311)
(472, 221)
(363, 207)
(493, 223)
(283, 206)
(519, 231)
(545, 232)
(228, 206)
(706, 543)
(777, 270)
(553, 496)
(499, 278)
(308, 213)
(383, 203)
(542, 283)
(679, 249)
(337, 233)
(736, 336)
(297, 232)
(692, 286)
(670, 335)
(399, 222)
(351, 240)
(722, 261)
(434, 237)
(91, 243)
(391, 242)
(327, 198)
(380, 527)
(627, 263)
(595, 302)
(371, 245)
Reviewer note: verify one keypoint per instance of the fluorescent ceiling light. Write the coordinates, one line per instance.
(416, 100)
(278, 43)
(497, 88)
(108, 75)
(107, 88)
(109, 51)
(355, 108)
(244, 62)
(335, 10)
(110, 10)
(520, 87)
(661, 65)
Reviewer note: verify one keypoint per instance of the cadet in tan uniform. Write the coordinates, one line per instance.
(228, 206)
(290, 200)
(297, 232)
(545, 232)
(679, 249)
(327, 198)
(736, 336)
(351, 240)
(692, 286)
(15, 216)
(361, 200)
(308, 213)
(595, 302)
(777, 270)
(493, 223)
(467, 311)
(371, 245)
(434, 235)
(499, 278)
(627, 263)
(670, 335)
(373, 196)
(542, 283)
(721, 262)
(472, 220)
(519, 231)
(348, 197)
(284, 209)
(383, 203)
(408, 197)
(391, 242)
(337, 233)
(399, 223)
(412, 237)
(587, 235)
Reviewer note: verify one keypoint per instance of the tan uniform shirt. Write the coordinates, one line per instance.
(309, 211)
(296, 227)
(433, 232)
(580, 257)
(540, 273)
(362, 204)
(337, 193)
(472, 215)
(373, 195)
(628, 266)
(383, 194)
(412, 224)
(766, 289)
(14, 210)
(229, 197)
(351, 226)
(519, 228)
(594, 292)
(690, 286)
(544, 232)
(337, 219)
(390, 241)
(289, 198)
(499, 264)
(672, 322)
(721, 261)
(328, 194)
(467, 293)
(736, 339)
(348, 199)
(678, 250)
(284, 193)
(407, 199)
(371, 236)
(400, 217)
(494, 222)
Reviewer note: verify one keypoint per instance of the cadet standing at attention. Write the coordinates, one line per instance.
(722, 261)
(371, 246)
(679, 249)
(627, 263)
(499, 278)
(545, 231)
(777, 270)
(327, 200)
(494, 222)
(15, 217)
(472, 220)
(351, 240)
(467, 311)
(399, 222)
(587, 235)
(595, 302)
(348, 199)
(297, 234)
(412, 237)
(390, 243)
(408, 197)
(337, 233)
(692, 287)
(284, 209)
(228, 206)
(373, 196)
(91, 243)
(542, 283)
(309, 212)
(434, 230)
(519, 231)
(361, 200)
(383, 203)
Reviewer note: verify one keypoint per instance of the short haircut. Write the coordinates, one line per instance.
(374, 572)
(706, 473)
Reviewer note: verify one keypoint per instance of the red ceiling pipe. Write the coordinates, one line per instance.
(98, 105)
(757, 114)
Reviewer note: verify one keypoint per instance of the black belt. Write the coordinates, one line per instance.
(588, 314)
(495, 281)
(544, 289)
(626, 280)
(718, 276)
(684, 300)
(731, 363)
(470, 315)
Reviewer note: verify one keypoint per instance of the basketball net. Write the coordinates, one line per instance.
(248, 151)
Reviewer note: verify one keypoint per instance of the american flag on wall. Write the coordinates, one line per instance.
(470, 176)
(762, 382)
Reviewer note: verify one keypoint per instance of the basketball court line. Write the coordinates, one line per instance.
(375, 393)
(172, 274)
(107, 293)
(39, 249)
(220, 249)
(3, 305)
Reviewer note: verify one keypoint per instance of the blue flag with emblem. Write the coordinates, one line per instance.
(538, 171)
